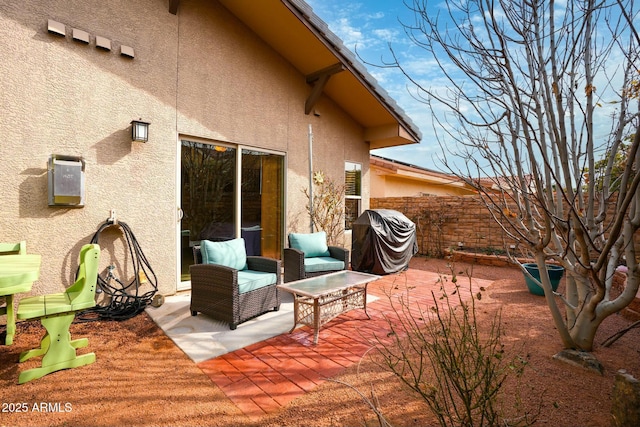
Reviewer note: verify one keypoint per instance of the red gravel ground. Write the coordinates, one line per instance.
(142, 378)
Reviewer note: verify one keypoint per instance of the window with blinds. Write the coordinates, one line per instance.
(352, 192)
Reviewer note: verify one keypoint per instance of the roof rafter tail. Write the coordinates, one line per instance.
(319, 79)
(173, 6)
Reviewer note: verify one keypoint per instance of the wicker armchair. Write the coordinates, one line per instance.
(296, 264)
(215, 290)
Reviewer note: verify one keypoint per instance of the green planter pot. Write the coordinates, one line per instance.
(555, 274)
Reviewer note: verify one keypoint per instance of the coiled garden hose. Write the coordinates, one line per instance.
(124, 300)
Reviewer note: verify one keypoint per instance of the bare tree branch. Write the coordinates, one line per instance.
(518, 106)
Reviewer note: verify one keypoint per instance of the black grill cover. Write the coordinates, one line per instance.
(382, 242)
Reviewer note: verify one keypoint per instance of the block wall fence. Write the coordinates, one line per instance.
(448, 222)
(452, 222)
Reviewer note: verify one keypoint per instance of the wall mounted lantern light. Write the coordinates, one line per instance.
(140, 130)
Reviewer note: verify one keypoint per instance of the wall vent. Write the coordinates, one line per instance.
(81, 36)
(127, 51)
(56, 28)
(103, 43)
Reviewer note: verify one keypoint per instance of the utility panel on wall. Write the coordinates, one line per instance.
(66, 181)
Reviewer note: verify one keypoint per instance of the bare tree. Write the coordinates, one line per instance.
(525, 86)
(326, 207)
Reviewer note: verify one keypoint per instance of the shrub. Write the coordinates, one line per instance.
(455, 365)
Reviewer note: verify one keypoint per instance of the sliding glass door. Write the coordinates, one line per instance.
(229, 192)
(262, 202)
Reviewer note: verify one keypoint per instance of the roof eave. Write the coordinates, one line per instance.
(407, 132)
(389, 136)
(384, 123)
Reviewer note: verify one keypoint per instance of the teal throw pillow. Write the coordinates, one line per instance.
(231, 253)
(313, 245)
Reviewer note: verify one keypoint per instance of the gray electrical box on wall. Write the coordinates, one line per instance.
(66, 181)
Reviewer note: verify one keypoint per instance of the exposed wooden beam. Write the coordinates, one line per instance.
(173, 6)
(319, 80)
(328, 71)
(318, 87)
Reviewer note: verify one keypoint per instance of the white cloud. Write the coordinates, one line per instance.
(385, 34)
(348, 33)
(369, 34)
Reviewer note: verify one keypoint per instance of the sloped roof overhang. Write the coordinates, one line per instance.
(389, 167)
(292, 29)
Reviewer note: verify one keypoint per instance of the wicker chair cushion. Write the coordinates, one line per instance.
(250, 280)
(230, 253)
(324, 263)
(313, 244)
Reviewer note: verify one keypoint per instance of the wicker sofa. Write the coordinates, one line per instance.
(308, 255)
(217, 291)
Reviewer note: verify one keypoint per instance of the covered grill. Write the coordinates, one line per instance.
(383, 242)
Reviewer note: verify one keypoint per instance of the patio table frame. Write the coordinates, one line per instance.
(318, 300)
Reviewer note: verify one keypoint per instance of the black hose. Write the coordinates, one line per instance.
(124, 300)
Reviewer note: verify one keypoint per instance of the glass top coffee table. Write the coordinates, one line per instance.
(319, 299)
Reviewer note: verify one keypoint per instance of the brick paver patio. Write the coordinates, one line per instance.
(264, 377)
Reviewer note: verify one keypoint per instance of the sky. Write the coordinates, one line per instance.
(367, 27)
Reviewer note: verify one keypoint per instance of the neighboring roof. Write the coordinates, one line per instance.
(390, 167)
(417, 173)
(496, 184)
(292, 29)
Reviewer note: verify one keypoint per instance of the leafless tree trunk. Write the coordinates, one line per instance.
(523, 88)
(326, 208)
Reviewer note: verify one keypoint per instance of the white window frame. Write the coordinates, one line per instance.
(353, 166)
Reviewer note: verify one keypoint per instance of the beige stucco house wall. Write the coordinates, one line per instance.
(392, 178)
(203, 69)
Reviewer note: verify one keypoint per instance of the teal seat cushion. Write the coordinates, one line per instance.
(323, 263)
(250, 280)
(231, 253)
(312, 244)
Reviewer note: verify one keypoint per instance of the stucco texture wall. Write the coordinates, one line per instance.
(388, 186)
(61, 96)
(238, 90)
(383, 185)
(200, 73)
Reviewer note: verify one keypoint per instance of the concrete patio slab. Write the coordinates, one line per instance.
(261, 367)
(202, 337)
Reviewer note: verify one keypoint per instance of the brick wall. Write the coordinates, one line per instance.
(442, 222)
